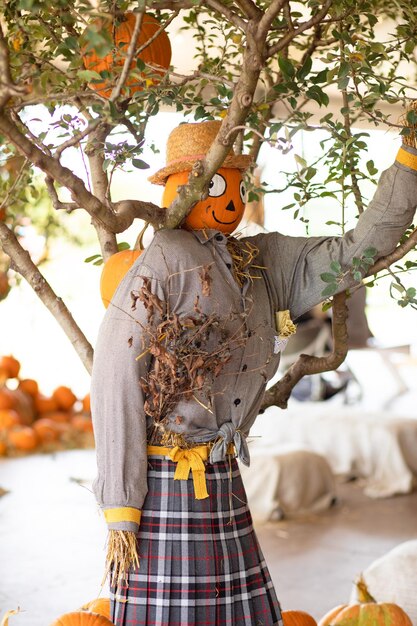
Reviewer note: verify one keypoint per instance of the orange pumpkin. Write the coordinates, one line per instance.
(46, 429)
(4, 281)
(82, 423)
(44, 404)
(114, 270)
(23, 438)
(298, 618)
(29, 386)
(222, 209)
(11, 365)
(7, 399)
(99, 605)
(8, 419)
(367, 611)
(87, 403)
(59, 417)
(82, 618)
(64, 397)
(157, 52)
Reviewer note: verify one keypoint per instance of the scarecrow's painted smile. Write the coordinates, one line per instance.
(226, 198)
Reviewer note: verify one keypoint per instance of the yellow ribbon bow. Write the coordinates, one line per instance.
(191, 460)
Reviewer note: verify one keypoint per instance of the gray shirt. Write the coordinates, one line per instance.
(286, 277)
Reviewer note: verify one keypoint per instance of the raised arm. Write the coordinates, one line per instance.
(300, 260)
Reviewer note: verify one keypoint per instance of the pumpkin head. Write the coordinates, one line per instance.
(157, 52)
(222, 209)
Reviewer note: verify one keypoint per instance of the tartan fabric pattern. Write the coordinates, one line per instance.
(200, 561)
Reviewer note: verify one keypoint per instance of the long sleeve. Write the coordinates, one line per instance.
(299, 261)
(117, 403)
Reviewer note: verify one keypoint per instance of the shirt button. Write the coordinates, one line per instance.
(237, 401)
(244, 368)
(219, 237)
(229, 266)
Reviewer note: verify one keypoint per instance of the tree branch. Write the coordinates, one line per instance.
(286, 39)
(202, 172)
(129, 57)
(8, 89)
(307, 365)
(23, 264)
(249, 8)
(268, 17)
(227, 12)
(77, 138)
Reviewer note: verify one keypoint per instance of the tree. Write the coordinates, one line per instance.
(253, 57)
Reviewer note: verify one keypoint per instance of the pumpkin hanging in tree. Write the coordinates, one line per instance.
(156, 53)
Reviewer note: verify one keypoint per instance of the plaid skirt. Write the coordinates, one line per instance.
(200, 561)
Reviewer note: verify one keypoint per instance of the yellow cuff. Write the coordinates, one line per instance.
(123, 514)
(406, 158)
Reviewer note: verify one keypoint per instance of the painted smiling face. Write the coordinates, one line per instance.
(222, 209)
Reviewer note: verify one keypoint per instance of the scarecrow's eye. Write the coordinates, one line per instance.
(242, 190)
(217, 186)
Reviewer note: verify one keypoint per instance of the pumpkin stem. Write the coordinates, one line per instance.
(122, 554)
(139, 241)
(363, 592)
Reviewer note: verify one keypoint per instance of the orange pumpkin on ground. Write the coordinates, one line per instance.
(29, 386)
(4, 282)
(157, 52)
(47, 430)
(23, 438)
(59, 417)
(298, 618)
(82, 423)
(114, 270)
(82, 618)
(8, 419)
(64, 397)
(99, 605)
(45, 404)
(87, 403)
(222, 209)
(11, 365)
(7, 399)
(367, 611)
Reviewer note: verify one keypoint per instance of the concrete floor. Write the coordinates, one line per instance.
(52, 541)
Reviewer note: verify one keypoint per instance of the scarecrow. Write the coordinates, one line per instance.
(186, 348)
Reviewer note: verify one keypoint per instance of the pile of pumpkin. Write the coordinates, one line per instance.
(33, 422)
(366, 612)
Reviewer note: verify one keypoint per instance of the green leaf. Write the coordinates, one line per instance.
(330, 290)
(336, 267)
(370, 252)
(139, 164)
(344, 70)
(398, 287)
(357, 276)
(286, 66)
(328, 277)
(305, 69)
(89, 259)
(411, 292)
(123, 245)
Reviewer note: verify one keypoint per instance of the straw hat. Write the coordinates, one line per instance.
(189, 143)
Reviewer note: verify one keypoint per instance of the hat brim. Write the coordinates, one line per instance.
(237, 162)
